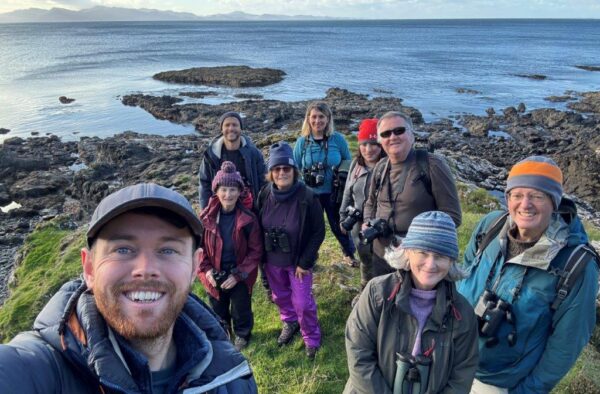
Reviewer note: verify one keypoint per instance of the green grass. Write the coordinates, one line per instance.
(51, 257)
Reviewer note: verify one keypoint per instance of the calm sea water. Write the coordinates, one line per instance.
(422, 62)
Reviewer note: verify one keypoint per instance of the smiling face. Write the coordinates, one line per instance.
(231, 129)
(427, 268)
(397, 147)
(318, 122)
(531, 210)
(140, 270)
(370, 151)
(228, 196)
(283, 176)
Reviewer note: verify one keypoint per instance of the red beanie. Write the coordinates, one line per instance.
(367, 131)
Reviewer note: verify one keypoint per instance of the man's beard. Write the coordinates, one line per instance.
(109, 307)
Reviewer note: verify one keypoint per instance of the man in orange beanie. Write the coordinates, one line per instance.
(533, 325)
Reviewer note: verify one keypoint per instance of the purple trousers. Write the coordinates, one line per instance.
(295, 301)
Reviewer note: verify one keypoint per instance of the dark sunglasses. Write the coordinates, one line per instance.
(284, 169)
(397, 131)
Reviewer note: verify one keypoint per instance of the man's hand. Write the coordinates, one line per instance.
(343, 230)
(229, 283)
(211, 280)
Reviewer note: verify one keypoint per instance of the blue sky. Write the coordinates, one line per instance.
(369, 9)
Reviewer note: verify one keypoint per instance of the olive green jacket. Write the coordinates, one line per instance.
(381, 325)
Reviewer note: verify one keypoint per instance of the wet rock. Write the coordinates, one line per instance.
(510, 112)
(467, 91)
(490, 111)
(558, 99)
(552, 118)
(13, 141)
(537, 77)
(199, 94)
(248, 96)
(37, 184)
(65, 100)
(4, 131)
(477, 126)
(521, 108)
(234, 76)
(382, 91)
(588, 68)
(589, 103)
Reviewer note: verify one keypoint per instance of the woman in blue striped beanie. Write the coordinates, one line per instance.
(411, 331)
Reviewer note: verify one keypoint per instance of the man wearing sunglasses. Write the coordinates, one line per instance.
(400, 189)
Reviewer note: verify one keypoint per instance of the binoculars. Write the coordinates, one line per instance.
(412, 374)
(277, 239)
(219, 277)
(491, 311)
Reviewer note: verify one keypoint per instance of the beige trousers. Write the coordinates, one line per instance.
(482, 388)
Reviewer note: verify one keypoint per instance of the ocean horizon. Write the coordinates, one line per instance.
(423, 62)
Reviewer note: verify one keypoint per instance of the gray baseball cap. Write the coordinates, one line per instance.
(139, 196)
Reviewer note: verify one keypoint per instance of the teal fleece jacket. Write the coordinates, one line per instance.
(308, 152)
(548, 343)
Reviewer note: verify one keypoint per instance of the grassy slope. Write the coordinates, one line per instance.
(52, 257)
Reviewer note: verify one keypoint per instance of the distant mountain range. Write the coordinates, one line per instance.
(101, 14)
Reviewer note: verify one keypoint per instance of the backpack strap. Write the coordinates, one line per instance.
(484, 238)
(262, 197)
(379, 173)
(576, 263)
(424, 172)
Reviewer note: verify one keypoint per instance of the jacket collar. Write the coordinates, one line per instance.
(217, 144)
(443, 301)
(546, 248)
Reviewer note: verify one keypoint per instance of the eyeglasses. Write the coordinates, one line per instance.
(534, 197)
(397, 131)
(284, 169)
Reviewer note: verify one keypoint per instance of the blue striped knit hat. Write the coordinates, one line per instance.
(432, 231)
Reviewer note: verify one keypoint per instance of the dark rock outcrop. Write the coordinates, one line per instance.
(65, 100)
(537, 77)
(588, 68)
(4, 131)
(199, 94)
(234, 76)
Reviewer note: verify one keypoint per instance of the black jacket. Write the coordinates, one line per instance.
(72, 351)
(312, 224)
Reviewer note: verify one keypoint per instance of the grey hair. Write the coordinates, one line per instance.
(395, 114)
(398, 258)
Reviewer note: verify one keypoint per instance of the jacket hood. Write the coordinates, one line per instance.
(72, 324)
(217, 143)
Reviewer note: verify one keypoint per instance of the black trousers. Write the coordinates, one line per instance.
(235, 305)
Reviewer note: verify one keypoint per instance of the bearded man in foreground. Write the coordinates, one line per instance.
(131, 324)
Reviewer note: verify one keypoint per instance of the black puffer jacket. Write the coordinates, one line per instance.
(72, 351)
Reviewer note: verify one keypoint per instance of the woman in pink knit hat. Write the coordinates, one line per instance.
(232, 248)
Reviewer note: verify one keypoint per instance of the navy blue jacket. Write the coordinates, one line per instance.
(211, 163)
(72, 351)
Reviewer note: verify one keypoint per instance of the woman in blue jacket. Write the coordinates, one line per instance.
(319, 150)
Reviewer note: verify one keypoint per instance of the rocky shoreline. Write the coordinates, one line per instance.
(48, 177)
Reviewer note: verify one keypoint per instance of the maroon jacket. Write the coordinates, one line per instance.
(248, 245)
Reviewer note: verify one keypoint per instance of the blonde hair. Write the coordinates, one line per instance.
(398, 258)
(320, 106)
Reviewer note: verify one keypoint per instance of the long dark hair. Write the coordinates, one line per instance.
(361, 160)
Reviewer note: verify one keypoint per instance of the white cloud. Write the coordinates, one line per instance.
(346, 8)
